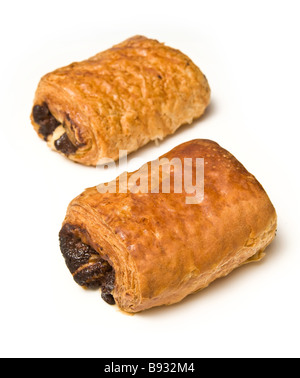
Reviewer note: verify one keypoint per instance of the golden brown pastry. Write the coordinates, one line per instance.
(120, 99)
(151, 249)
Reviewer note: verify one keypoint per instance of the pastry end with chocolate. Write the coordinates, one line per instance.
(48, 126)
(86, 265)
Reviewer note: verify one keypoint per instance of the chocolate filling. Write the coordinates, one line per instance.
(48, 124)
(64, 145)
(86, 265)
(45, 120)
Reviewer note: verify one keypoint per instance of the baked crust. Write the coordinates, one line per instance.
(122, 98)
(162, 248)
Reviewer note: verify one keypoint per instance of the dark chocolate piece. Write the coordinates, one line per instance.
(74, 251)
(107, 287)
(64, 145)
(46, 121)
(93, 276)
(108, 298)
(40, 113)
(86, 265)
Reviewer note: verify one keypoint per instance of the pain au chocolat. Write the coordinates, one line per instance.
(146, 249)
(120, 99)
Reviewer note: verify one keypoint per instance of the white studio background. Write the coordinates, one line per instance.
(249, 51)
